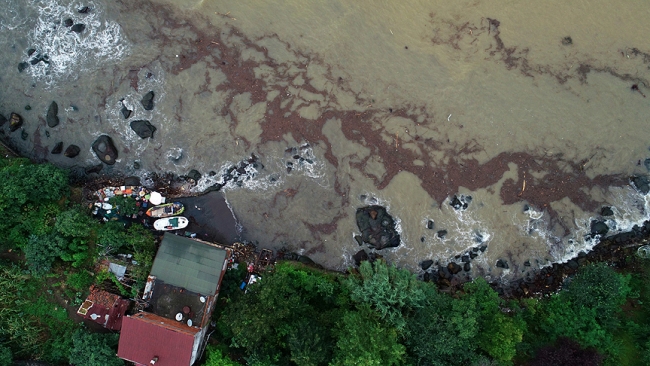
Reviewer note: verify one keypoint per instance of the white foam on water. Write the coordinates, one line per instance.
(12, 17)
(69, 53)
(253, 179)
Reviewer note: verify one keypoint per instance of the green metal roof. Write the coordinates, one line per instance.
(189, 264)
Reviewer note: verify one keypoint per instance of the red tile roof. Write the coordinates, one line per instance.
(146, 335)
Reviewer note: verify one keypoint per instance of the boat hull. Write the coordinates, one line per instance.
(171, 223)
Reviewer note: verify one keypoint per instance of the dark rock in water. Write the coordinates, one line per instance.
(78, 28)
(461, 202)
(24, 135)
(360, 256)
(31, 51)
(454, 268)
(105, 149)
(83, 10)
(93, 169)
(646, 162)
(566, 41)
(36, 60)
(442, 234)
(502, 264)
(15, 122)
(3, 120)
(426, 264)
(467, 267)
(52, 118)
(455, 203)
(57, 148)
(28, 107)
(606, 211)
(22, 66)
(430, 224)
(464, 258)
(143, 128)
(68, 22)
(377, 227)
(527, 263)
(358, 239)
(482, 248)
(215, 187)
(147, 101)
(194, 174)
(598, 228)
(641, 184)
(572, 264)
(473, 254)
(126, 113)
(136, 165)
(47, 134)
(132, 181)
(72, 151)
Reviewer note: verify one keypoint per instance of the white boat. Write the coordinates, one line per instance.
(171, 223)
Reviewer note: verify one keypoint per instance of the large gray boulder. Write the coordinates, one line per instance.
(72, 151)
(143, 128)
(52, 112)
(105, 149)
(147, 101)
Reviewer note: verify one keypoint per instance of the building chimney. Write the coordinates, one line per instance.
(153, 360)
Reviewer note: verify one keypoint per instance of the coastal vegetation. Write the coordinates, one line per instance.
(295, 314)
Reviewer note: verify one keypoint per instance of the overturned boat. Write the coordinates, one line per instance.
(166, 210)
(171, 223)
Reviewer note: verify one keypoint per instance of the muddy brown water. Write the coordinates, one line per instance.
(402, 104)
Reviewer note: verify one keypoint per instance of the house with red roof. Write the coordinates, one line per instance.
(104, 308)
(180, 294)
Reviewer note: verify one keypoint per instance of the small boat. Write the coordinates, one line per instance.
(170, 223)
(166, 210)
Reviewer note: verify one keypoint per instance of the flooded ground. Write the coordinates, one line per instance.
(538, 112)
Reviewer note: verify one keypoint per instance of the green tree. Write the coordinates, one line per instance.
(393, 293)
(111, 237)
(267, 322)
(216, 358)
(125, 205)
(364, 341)
(92, 349)
(41, 251)
(6, 358)
(599, 287)
(444, 331)
(499, 333)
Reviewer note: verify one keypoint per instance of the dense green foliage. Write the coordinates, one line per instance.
(90, 349)
(6, 359)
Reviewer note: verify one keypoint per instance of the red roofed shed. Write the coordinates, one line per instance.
(147, 336)
(104, 308)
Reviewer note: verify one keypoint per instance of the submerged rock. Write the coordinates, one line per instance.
(15, 122)
(105, 149)
(78, 28)
(58, 148)
(377, 227)
(72, 151)
(426, 264)
(3, 120)
(641, 184)
(606, 211)
(68, 23)
(132, 181)
(147, 101)
(598, 228)
(52, 112)
(194, 174)
(143, 128)
(22, 66)
(93, 169)
(360, 256)
(442, 233)
(502, 264)
(430, 224)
